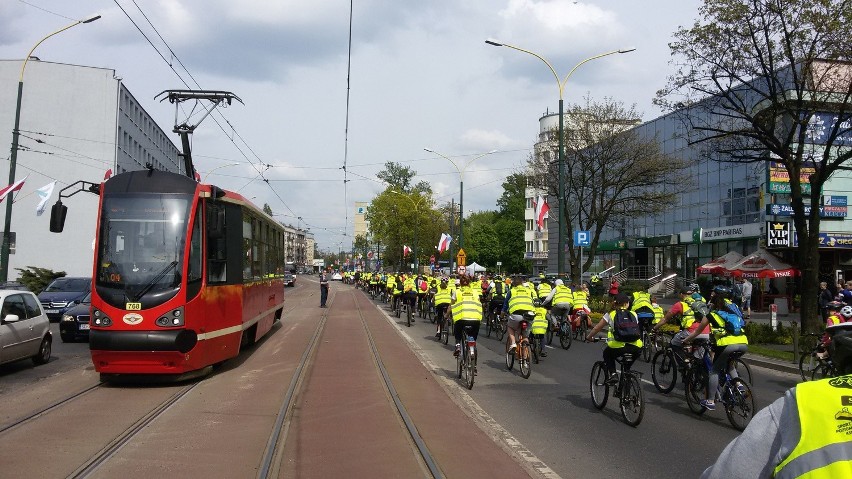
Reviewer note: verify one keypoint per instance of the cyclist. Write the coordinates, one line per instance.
(581, 303)
(726, 343)
(467, 311)
(422, 289)
(409, 292)
(497, 293)
(544, 289)
(682, 311)
(804, 433)
(640, 303)
(560, 298)
(615, 348)
(839, 318)
(519, 300)
(539, 326)
(442, 300)
(390, 286)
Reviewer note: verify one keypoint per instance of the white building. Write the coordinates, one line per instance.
(76, 123)
(535, 237)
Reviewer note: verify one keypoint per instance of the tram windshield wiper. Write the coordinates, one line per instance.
(154, 280)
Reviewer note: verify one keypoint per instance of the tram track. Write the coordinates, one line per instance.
(46, 409)
(277, 445)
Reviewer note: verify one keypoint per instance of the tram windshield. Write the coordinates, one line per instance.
(142, 238)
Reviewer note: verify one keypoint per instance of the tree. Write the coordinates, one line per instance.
(399, 178)
(510, 224)
(267, 209)
(482, 243)
(612, 174)
(36, 279)
(762, 81)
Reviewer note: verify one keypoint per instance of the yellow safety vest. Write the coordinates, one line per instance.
(581, 298)
(442, 295)
(391, 281)
(687, 317)
(825, 420)
(717, 328)
(409, 286)
(467, 306)
(521, 299)
(563, 295)
(539, 324)
(612, 343)
(658, 313)
(640, 299)
(543, 290)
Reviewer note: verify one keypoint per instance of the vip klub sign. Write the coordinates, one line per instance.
(777, 234)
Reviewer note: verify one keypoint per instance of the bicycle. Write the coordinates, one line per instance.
(492, 321)
(734, 393)
(466, 360)
(815, 364)
(502, 327)
(580, 324)
(522, 348)
(563, 330)
(667, 363)
(645, 319)
(628, 388)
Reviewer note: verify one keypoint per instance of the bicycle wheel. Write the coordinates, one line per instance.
(646, 347)
(582, 331)
(632, 403)
(743, 370)
(664, 371)
(695, 383)
(565, 334)
(445, 331)
(739, 403)
(535, 349)
(489, 324)
(524, 363)
(598, 386)
(808, 363)
(501, 330)
(460, 363)
(408, 316)
(822, 371)
(469, 367)
(549, 334)
(510, 360)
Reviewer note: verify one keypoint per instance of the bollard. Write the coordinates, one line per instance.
(773, 317)
(795, 327)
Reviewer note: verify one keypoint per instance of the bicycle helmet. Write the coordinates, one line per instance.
(846, 312)
(537, 303)
(722, 291)
(834, 306)
(840, 350)
(694, 287)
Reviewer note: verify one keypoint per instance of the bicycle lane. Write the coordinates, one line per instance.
(455, 440)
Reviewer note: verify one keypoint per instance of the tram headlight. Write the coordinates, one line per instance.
(172, 319)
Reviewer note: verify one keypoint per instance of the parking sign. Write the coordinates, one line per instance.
(582, 238)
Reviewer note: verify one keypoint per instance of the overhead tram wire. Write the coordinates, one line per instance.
(346, 132)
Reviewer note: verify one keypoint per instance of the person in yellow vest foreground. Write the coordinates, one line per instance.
(624, 334)
(538, 329)
(805, 433)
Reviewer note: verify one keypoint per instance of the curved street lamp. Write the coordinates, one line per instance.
(207, 175)
(417, 213)
(13, 157)
(461, 187)
(560, 251)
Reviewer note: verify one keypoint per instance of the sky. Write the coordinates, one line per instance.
(417, 74)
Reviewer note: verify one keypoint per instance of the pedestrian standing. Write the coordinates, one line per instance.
(823, 299)
(746, 288)
(323, 289)
(613, 288)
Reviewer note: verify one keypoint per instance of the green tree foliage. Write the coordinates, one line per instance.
(510, 224)
(36, 279)
(612, 174)
(482, 243)
(753, 74)
(400, 178)
(267, 209)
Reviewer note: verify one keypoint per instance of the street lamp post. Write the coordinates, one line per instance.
(417, 213)
(13, 157)
(560, 252)
(207, 175)
(461, 188)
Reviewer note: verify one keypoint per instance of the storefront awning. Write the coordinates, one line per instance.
(721, 264)
(762, 264)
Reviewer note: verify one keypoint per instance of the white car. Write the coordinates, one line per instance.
(336, 277)
(24, 328)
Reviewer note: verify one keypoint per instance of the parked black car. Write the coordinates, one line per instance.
(289, 279)
(63, 293)
(75, 322)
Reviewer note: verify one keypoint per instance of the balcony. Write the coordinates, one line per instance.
(535, 255)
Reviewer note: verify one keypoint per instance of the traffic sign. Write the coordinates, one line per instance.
(461, 258)
(582, 238)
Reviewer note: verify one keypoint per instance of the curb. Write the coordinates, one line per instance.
(763, 362)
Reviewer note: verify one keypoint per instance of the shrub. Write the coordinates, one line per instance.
(36, 279)
(763, 334)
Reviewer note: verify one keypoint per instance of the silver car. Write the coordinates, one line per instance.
(24, 328)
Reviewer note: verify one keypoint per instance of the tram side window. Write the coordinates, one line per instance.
(193, 272)
(217, 264)
(247, 250)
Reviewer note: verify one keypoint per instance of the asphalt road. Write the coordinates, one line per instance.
(550, 415)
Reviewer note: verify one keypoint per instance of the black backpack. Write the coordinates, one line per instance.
(625, 326)
(498, 290)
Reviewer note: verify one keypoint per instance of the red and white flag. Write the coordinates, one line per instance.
(540, 211)
(444, 243)
(369, 255)
(108, 174)
(11, 188)
(406, 250)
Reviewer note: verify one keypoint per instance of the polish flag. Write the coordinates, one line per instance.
(406, 250)
(540, 211)
(444, 243)
(11, 188)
